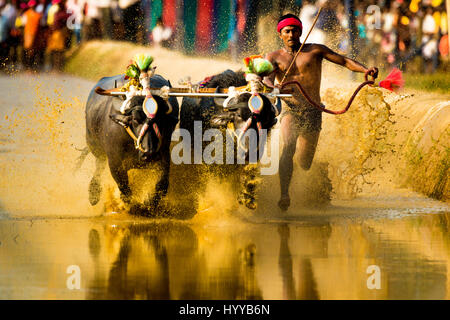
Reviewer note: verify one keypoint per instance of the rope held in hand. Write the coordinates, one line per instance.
(321, 107)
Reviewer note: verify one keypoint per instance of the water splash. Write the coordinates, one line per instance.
(43, 133)
(353, 144)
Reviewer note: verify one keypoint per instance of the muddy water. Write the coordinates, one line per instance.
(223, 252)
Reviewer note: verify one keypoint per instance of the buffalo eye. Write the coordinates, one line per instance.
(135, 123)
(139, 115)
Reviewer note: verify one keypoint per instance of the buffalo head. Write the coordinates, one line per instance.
(252, 116)
(147, 123)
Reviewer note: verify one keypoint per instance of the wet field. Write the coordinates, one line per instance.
(48, 228)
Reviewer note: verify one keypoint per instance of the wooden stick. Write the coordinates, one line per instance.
(295, 57)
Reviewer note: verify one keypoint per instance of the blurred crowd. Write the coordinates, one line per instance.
(34, 34)
(387, 33)
(30, 31)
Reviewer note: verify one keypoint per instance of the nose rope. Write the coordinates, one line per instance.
(143, 132)
(158, 134)
(141, 135)
(259, 126)
(132, 135)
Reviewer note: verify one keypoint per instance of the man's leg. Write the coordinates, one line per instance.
(289, 133)
(307, 144)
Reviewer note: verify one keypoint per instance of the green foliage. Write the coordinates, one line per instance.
(143, 61)
(133, 71)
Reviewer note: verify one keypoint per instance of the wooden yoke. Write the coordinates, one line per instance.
(114, 92)
(182, 92)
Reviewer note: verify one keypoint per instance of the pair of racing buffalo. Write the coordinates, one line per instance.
(111, 144)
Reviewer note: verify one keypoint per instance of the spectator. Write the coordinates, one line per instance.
(132, 16)
(7, 19)
(15, 35)
(57, 41)
(374, 36)
(161, 35)
(104, 7)
(328, 22)
(389, 37)
(307, 15)
(362, 33)
(444, 46)
(31, 21)
(403, 35)
(408, 28)
(430, 54)
(75, 9)
(118, 28)
(429, 24)
(43, 32)
(91, 23)
(429, 42)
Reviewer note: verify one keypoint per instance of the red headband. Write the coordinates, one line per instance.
(289, 22)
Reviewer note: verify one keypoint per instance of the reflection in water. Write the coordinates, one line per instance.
(162, 261)
(324, 258)
(285, 263)
(307, 286)
(249, 289)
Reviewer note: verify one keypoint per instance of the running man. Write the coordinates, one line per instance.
(300, 121)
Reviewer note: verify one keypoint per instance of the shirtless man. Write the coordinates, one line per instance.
(300, 121)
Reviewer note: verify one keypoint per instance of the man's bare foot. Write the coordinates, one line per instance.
(284, 203)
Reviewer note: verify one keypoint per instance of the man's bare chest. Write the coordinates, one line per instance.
(305, 63)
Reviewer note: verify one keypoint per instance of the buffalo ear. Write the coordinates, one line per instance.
(120, 119)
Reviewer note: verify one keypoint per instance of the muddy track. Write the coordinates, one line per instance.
(47, 224)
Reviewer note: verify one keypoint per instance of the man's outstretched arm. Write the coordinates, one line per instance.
(350, 64)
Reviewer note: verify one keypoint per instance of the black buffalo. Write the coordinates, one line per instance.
(212, 115)
(109, 142)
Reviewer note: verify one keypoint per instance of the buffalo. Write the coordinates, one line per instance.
(238, 116)
(110, 143)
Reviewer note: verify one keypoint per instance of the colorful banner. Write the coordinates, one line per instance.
(156, 13)
(222, 15)
(169, 14)
(205, 12)
(189, 23)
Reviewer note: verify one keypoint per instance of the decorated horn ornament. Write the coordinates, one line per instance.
(164, 92)
(170, 107)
